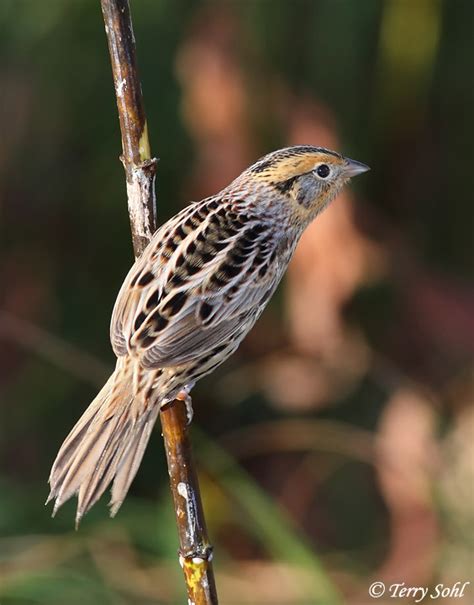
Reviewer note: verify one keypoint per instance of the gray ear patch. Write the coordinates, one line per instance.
(309, 189)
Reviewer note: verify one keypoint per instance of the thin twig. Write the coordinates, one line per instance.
(140, 167)
(195, 552)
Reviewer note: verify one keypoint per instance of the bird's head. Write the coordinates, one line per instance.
(307, 177)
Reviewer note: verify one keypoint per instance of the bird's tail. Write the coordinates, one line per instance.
(107, 443)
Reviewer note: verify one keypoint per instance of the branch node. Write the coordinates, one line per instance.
(206, 553)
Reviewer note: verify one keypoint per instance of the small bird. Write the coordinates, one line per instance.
(186, 305)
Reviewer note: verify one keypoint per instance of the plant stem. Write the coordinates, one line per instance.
(140, 167)
(195, 553)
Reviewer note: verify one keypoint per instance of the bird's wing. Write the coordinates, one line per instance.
(200, 284)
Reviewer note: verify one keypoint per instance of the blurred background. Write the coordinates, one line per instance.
(337, 446)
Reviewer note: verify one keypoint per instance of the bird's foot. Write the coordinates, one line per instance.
(184, 396)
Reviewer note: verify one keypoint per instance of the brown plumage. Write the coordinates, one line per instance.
(186, 305)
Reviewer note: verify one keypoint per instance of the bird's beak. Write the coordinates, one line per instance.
(353, 168)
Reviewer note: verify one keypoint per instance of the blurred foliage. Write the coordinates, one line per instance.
(336, 446)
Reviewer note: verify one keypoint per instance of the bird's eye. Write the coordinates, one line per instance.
(323, 171)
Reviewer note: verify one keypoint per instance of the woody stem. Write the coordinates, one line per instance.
(195, 552)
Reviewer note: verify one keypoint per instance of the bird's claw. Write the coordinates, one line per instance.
(184, 396)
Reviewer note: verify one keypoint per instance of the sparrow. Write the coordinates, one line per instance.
(186, 305)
